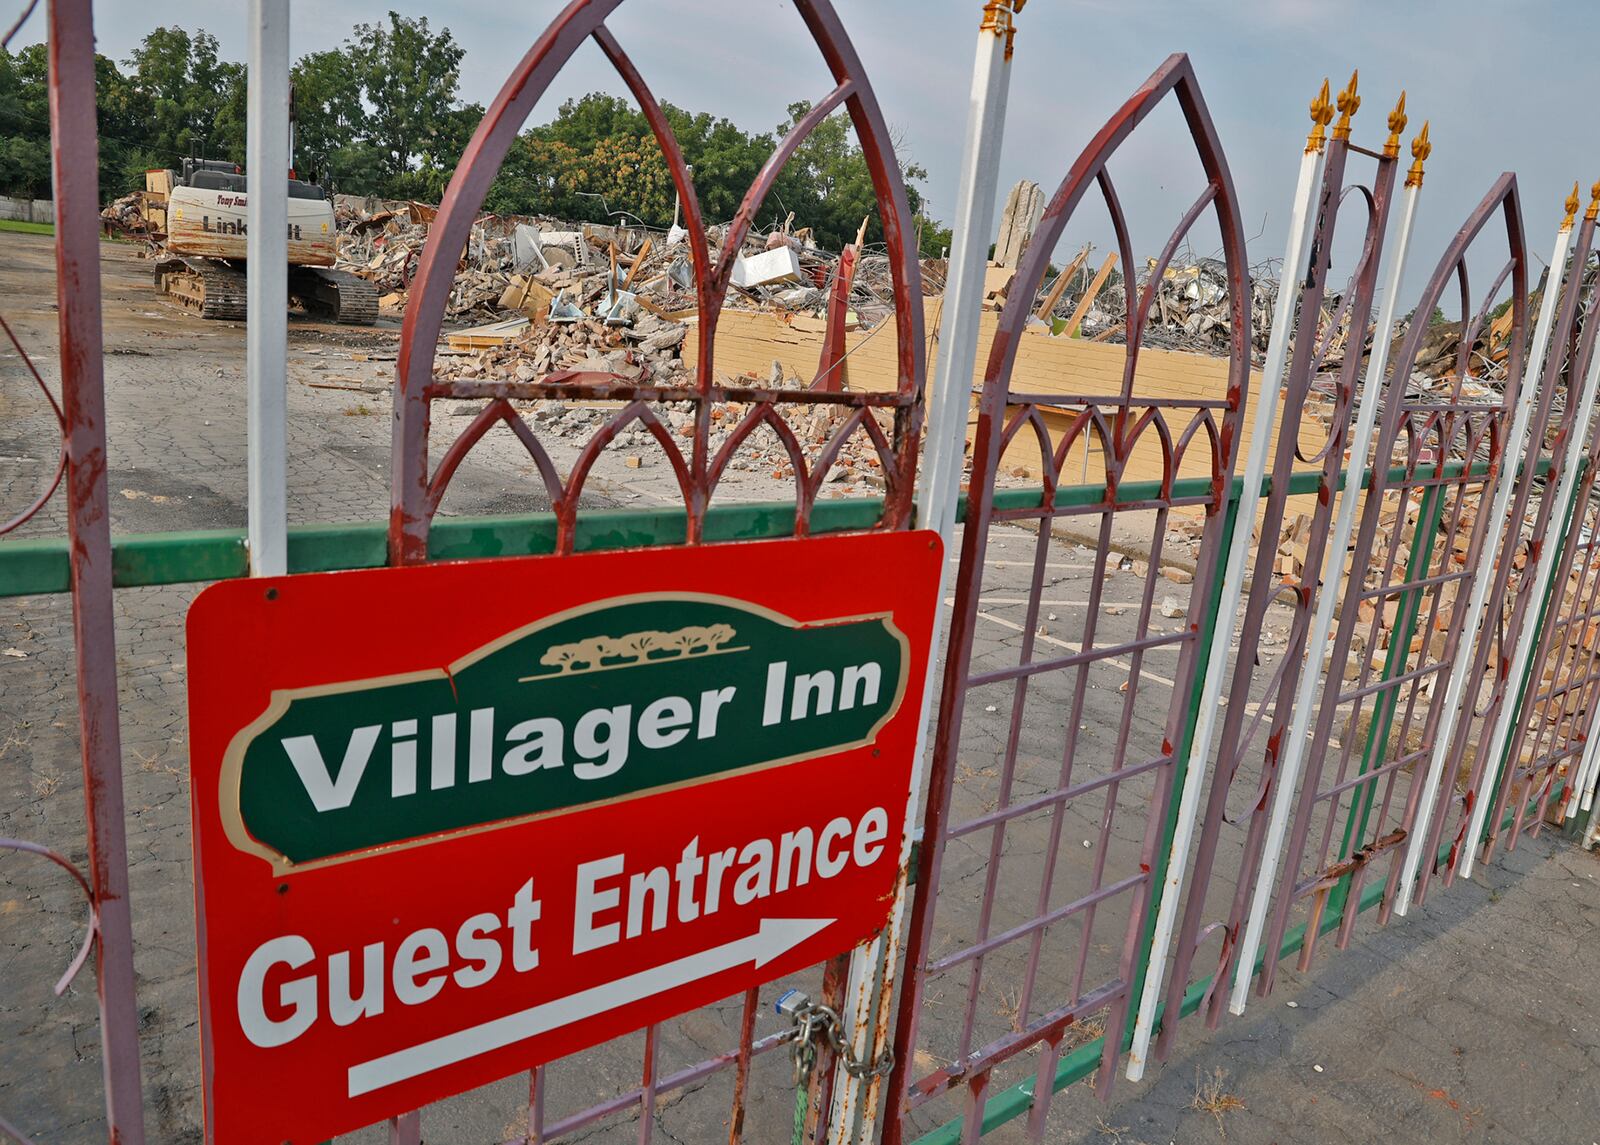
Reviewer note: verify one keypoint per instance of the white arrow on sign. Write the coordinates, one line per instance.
(774, 937)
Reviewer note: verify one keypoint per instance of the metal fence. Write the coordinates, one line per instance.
(27, 210)
(1433, 699)
(1058, 674)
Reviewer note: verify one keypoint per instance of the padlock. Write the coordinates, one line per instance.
(791, 1004)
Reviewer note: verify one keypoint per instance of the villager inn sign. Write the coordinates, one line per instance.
(455, 820)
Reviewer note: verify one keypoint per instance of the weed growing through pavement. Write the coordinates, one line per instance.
(1210, 1097)
(1112, 1133)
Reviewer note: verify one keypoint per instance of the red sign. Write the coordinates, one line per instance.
(453, 821)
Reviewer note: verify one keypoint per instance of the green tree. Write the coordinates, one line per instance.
(329, 120)
(596, 157)
(24, 167)
(450, 137)
(599, 153)
(726, 160)
(14, 117)
(409, 78)
(189, 98)
(25, 124)
(25, 118)
(935, 237)
(828, 185)
(585, 159)
(229, 124)
(583, 122)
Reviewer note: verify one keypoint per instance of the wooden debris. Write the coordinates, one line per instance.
(488, 336)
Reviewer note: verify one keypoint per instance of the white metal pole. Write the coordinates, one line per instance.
(266, 344)
(1580, 797)
(1294, 748)
(1581, 794)
(1543, 571)
(1505, 486)
(853, 1117)
(1589, 794)
(1584, 792)
(1302, 219)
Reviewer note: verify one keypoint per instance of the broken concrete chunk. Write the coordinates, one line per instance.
(800, 298)
(1020, 217)
(664, 339)
(528, 248)
(563, 311)
(780, 265)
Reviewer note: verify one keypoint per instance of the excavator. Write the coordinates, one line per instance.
(198, 217)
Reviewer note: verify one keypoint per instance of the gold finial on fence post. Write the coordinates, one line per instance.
(997, 18)
(1349, 104)
(1421, 148)
(1321, 116)
(1571, 207)
(1594, 202)
(1397, 124)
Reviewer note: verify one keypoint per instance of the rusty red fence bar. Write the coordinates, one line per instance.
(1118, 426)
(1512, 602)
(81, 417)
(1565, 688)
(417, 492)
(1345, 806)
(1298, 590)
(1531, 783)
(1365, 809)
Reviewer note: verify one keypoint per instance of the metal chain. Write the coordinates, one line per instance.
(810, 1020)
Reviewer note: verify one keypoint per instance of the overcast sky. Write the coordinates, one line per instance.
(1506, 83)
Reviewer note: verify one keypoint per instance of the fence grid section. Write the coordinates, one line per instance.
(1098, 857)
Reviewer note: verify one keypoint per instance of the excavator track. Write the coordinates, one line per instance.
(213, 290)
(335, 295)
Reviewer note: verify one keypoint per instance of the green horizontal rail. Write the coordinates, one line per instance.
(31, 566)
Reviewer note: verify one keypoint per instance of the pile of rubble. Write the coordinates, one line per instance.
(125, 215)
(856, 469)
(383, 242)
(647, 351)
(1190, 310)
(784, 270)
(609, 298)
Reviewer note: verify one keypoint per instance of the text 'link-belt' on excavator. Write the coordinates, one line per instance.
(198, 215)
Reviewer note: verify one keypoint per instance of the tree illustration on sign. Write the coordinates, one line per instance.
(636, 647)
(639, 645)
(588, 652)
